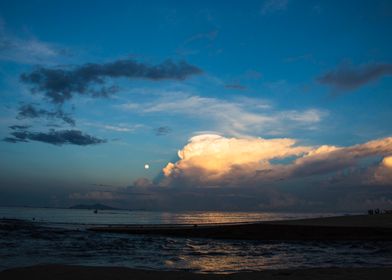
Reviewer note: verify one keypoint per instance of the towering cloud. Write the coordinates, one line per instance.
(60, 84)
(383, 172)
(215, 160)
(212, 158)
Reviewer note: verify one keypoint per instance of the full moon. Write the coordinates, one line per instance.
(146, 166)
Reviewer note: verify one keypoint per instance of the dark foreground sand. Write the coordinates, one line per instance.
(61, 272)
(359, 227)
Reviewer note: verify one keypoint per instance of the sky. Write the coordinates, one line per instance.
(274, 105)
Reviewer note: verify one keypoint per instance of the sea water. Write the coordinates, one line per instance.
(43, 236)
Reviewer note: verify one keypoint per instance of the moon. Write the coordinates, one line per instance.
(146, 166)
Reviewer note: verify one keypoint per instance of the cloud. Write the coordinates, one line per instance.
(58, 138)
(216, 157)
(306, 116)
(235, 86)
(30, 111)
(200, 36)
(382, 174)
(326, 159)
(213, 160)
(304, 57)
(118, 127)
(272, 6)
(97, 196)
(348, 77)
(19, 127)
(197, 41)
(162, 130)
(240, 117)
(27, 51)
(253, 174)
(60, 84)
(142, 183)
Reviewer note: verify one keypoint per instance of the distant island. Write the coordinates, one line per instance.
(96, 206)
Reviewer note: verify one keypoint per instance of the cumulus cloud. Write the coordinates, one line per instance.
(213, 160)
(142, 183)
(30, 111)
(55, 137)
(60, 84)
(382, 174)
(326, 159)
(348, 77)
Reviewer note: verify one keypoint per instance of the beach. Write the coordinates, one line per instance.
(61, 272)
(356, 227)
(331, 247)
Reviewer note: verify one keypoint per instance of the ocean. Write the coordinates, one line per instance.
(44, 236)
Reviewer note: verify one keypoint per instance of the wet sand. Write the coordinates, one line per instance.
(62, 272)
(359, 227)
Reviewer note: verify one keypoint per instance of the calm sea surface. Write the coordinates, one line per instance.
(60, 236)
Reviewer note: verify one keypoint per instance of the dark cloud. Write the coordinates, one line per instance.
(162, 130)
(347, 77)
(58, 138)
(19, 127)
(30, 111)
(59, 84)
(235, 86)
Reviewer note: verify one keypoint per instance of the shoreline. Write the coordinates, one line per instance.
(74, 272)
(356, 227)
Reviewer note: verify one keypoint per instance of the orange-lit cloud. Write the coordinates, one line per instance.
(213, 160)
(383, 172)
(212, 157)
(387, 162)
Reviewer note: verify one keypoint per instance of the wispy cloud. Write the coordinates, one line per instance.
(28, 50)
(272, 6)
(201, 36)
(235, 86)
(240, 117)
(190, 46)
(119, 127)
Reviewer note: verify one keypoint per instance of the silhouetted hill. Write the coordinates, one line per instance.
(97, 206)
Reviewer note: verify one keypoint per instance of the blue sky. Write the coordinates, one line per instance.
(317, 72)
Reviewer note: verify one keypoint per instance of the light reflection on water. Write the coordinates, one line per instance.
(44, 245)
(77, 216)
(31, 243)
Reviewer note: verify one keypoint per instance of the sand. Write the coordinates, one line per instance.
(62, 272)
(359, 227)
(379, 220)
